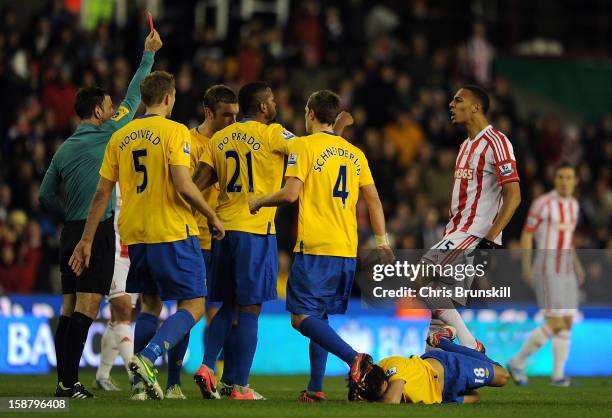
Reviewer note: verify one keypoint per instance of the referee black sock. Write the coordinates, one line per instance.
(76, 335)
(60, 336)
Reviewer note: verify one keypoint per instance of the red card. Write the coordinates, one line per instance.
(151, 21)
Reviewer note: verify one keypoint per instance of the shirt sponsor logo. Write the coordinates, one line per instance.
(187, 148)
(391, 371)
(292, 160)
(506, 170)
(287, 135)
(464, 173)
(121, 112)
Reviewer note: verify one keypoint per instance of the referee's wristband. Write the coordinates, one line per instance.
(382, 240)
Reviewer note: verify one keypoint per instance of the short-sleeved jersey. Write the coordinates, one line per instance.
(332, 170)
(139, 156)
(248, 157)
(484, 164)
(211, 194)
(553, 219)
(421, 380)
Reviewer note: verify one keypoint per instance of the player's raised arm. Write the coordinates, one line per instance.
(127, 109)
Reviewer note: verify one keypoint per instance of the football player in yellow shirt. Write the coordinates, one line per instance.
(449, 375)
(220, 110)
(326, 173)
(150, 158)
(246, 157)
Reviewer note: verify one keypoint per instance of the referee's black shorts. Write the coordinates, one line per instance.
(99, 276)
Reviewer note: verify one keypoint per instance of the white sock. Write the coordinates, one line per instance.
(125, 342)
(452, 318)
(536, 339)
(561, 344)
(108, 353)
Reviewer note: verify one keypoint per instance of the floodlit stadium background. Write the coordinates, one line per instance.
(395, 65)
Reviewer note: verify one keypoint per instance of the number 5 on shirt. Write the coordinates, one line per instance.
(138, 167)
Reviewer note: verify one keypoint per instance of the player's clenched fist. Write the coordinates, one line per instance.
(217, 228)
(79, 260)
(254, 206)
(153, 42)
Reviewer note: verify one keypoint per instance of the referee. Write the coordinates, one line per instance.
(76, 164)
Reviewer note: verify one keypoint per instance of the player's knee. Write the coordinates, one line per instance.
(296, 321)
(151, 304)
(121, 308)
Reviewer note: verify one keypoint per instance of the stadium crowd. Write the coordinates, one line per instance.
(397, 81)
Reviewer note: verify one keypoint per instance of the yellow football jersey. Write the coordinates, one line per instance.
(198, 143)
(422, 384)
(248, 157)
(333, 170)
(139, 156)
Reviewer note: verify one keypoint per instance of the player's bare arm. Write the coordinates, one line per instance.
(285, 196)
(204, 176)
(578, 268)
(377, 220)
(79, 260)
(393, 394)
(527, 246)
(188, 190)
(511, 194)
(471, 397)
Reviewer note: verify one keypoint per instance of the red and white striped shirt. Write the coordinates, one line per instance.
(483, 165)
(552, 219)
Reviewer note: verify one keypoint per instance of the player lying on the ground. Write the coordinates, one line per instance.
(449, 375)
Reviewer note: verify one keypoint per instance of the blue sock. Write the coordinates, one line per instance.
(321, 333)
(218, 330)
(318, 361)
(447, 345)
(246, 344)
(229, 358)
(144, 330)
(175, 361)
(172, 331)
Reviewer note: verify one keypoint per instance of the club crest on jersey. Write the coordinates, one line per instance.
(287, 135)
(391, 372)
(187, 148)
(292, 160)
(506, 170)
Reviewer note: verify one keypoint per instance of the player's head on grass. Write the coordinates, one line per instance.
(256, 101)
(93, 104)
(565, 179)
(158, 93)
(220, 106)
(470, 102)
(322, 108)
(374, 384)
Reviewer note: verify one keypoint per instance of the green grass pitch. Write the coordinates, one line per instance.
(591, 397)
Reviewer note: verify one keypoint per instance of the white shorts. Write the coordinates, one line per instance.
(557, 294)
(120, 273)
(453, 250)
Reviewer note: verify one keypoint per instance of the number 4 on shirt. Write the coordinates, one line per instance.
(340, 187)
